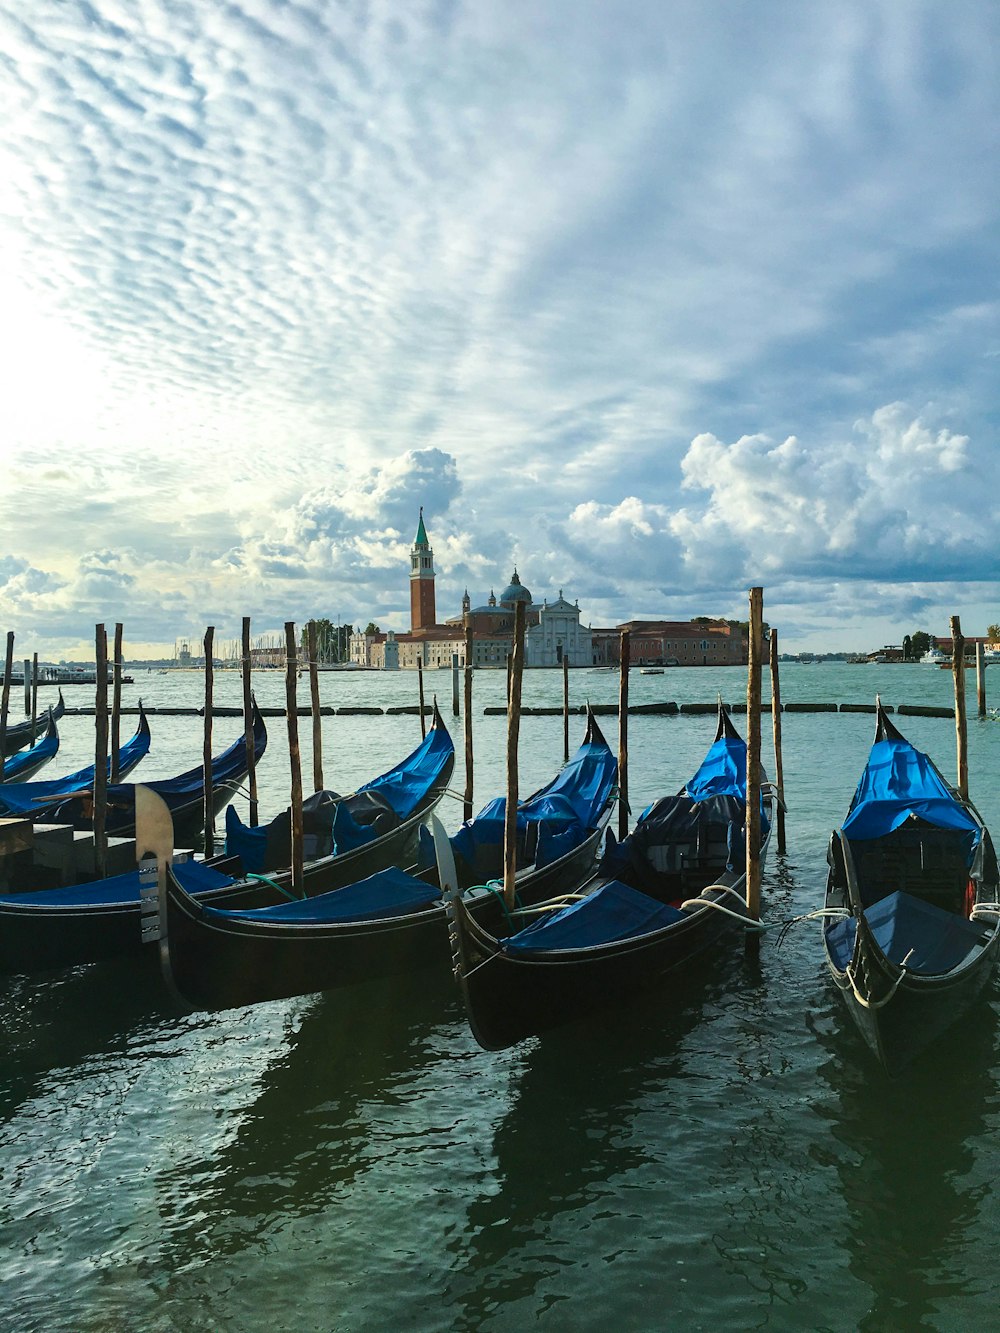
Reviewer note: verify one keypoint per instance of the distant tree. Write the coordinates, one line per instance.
(333, 642)
(372, 628)
(919, 643)
(993, 633)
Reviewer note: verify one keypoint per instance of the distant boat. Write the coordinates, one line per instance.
(651, 671)
(935, 657)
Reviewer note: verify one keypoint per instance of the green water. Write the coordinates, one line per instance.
(723, 1155)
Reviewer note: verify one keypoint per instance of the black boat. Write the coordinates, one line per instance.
(24, 764)
(912, 914)
(386, 922)
(86, 923)
(184, 794)
(661, 897)
(19, 735)
(37, 800)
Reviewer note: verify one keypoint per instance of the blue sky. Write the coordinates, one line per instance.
(654, 301)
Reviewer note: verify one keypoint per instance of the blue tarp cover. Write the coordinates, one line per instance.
(940, 940)
(388, 893)
(15, 763)
(723, 771)
(900, 781)
(575, 797)
(403, 788)
(24, 798)
(405, 785)
(194, 876)
(612, 912)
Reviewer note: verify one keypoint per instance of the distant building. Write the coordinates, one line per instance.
(674, 643)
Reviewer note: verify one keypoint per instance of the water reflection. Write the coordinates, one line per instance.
(905, 1153)
(302, 1137)
(567, 1144)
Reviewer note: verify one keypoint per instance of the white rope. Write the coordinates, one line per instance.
(986, 909)
(726, 911)
(873, 1005)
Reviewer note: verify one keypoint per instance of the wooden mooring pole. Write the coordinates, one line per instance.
(513, 724)
(961, 725)
(565, 665)
(34, 692)
(980, 680)
(5, 696)
(248, 723)
(779, 779)
(420, 690)
(294, 758)
(753, 760)
(467, 723)
(116, 706)
(317, 733)
(623, 812)
(208, 812)
(101, 752)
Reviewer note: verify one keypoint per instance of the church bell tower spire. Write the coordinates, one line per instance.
(422, 609)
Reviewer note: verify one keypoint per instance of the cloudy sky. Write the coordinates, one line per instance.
(655, 301)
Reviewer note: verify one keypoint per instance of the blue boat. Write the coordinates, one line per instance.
(20, 734)
(912, 924)
(83, 923)
(38, 801)
(661, 897)
(24, 764)
(385, 920)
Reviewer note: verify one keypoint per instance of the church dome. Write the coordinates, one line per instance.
(515, 592)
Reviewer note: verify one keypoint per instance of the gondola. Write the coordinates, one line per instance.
(386, 922)
(19, 735)
(184, 794)
(24, 764)
(87, 923)
(912, 922)
(664, 895)
(37, 800)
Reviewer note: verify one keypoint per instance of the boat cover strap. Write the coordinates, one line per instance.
(612, 912)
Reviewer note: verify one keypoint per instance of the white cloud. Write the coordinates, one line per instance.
(274, 276)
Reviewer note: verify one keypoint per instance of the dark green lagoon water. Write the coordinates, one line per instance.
(723, 1155)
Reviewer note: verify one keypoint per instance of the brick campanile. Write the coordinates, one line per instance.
(422, 610)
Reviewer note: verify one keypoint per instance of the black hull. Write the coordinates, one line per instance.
(228, 964)
(38, 938)
(914, 1012)
(21, 734)
(509, 998)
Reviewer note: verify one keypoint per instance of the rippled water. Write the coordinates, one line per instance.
(720, 1155)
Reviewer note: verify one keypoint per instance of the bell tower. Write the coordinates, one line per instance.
(422, 609)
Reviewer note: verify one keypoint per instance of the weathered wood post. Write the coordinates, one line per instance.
(101, 752)
(26, 680)
(623, 811)
(779, 779)
(34, 693)
(248, 723)
(116, 706)
(5, 696)
(467, 801)
(294, 758)
(753, 759)
(565, 666)
(209, 814)
(980, 680)
(455, 709)
(314, 704)
(513, 725)
(420, 689)
(961, 725)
